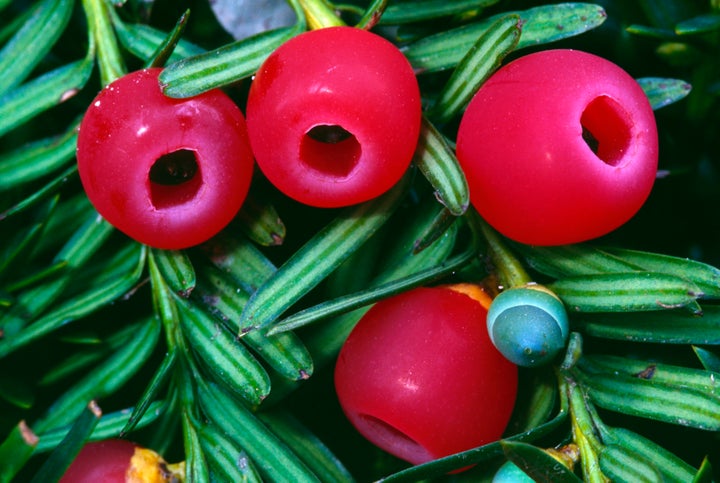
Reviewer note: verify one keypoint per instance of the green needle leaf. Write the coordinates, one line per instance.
(621, 464)
(423, 10)
(37, 159)
(33, 41)
(109, 426)
(626, 292)
(60, 459)
(322, 254)
(42, 93)
(285, 353)
(177, 269)
(228, 64)
(110, 59)
(123, 272)
(227, 358)
(642, 394)
(306, 445)
(226, 462)
(16, 450)
(663, 327)
(670, 467)
(143, 40)
(106, 378)
(371, 295)
(537, 463)
(483, 58)
(273, 459)
(260, 221)
(437, 162)
(662, 92)
(539, 25)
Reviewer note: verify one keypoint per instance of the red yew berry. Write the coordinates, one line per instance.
(419, 377)
(334, 116)
(118, 461)
(170, 173)
(558, 147)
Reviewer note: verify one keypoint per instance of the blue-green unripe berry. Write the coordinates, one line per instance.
(528, 325)
(511, 473)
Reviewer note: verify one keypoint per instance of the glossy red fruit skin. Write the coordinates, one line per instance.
(419, 377)
(531, 174)
(105, 461)
(335, 76)
(129, 126)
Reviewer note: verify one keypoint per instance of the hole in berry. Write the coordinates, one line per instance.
(174, 179)
(330, 149)
(606, 129)
(393, 440)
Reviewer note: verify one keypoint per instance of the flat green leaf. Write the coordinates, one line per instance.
(43, 92)
(324, 252)
(21, 54)
(662, 92)
(230, 63)
(483, 58)
(626, 292)
(540, 25)
(704, 473)
(424, 10)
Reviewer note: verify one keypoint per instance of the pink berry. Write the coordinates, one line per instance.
(117, 461)
(558, 147)
(419, 377)
(334, 116)
(170, 173)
